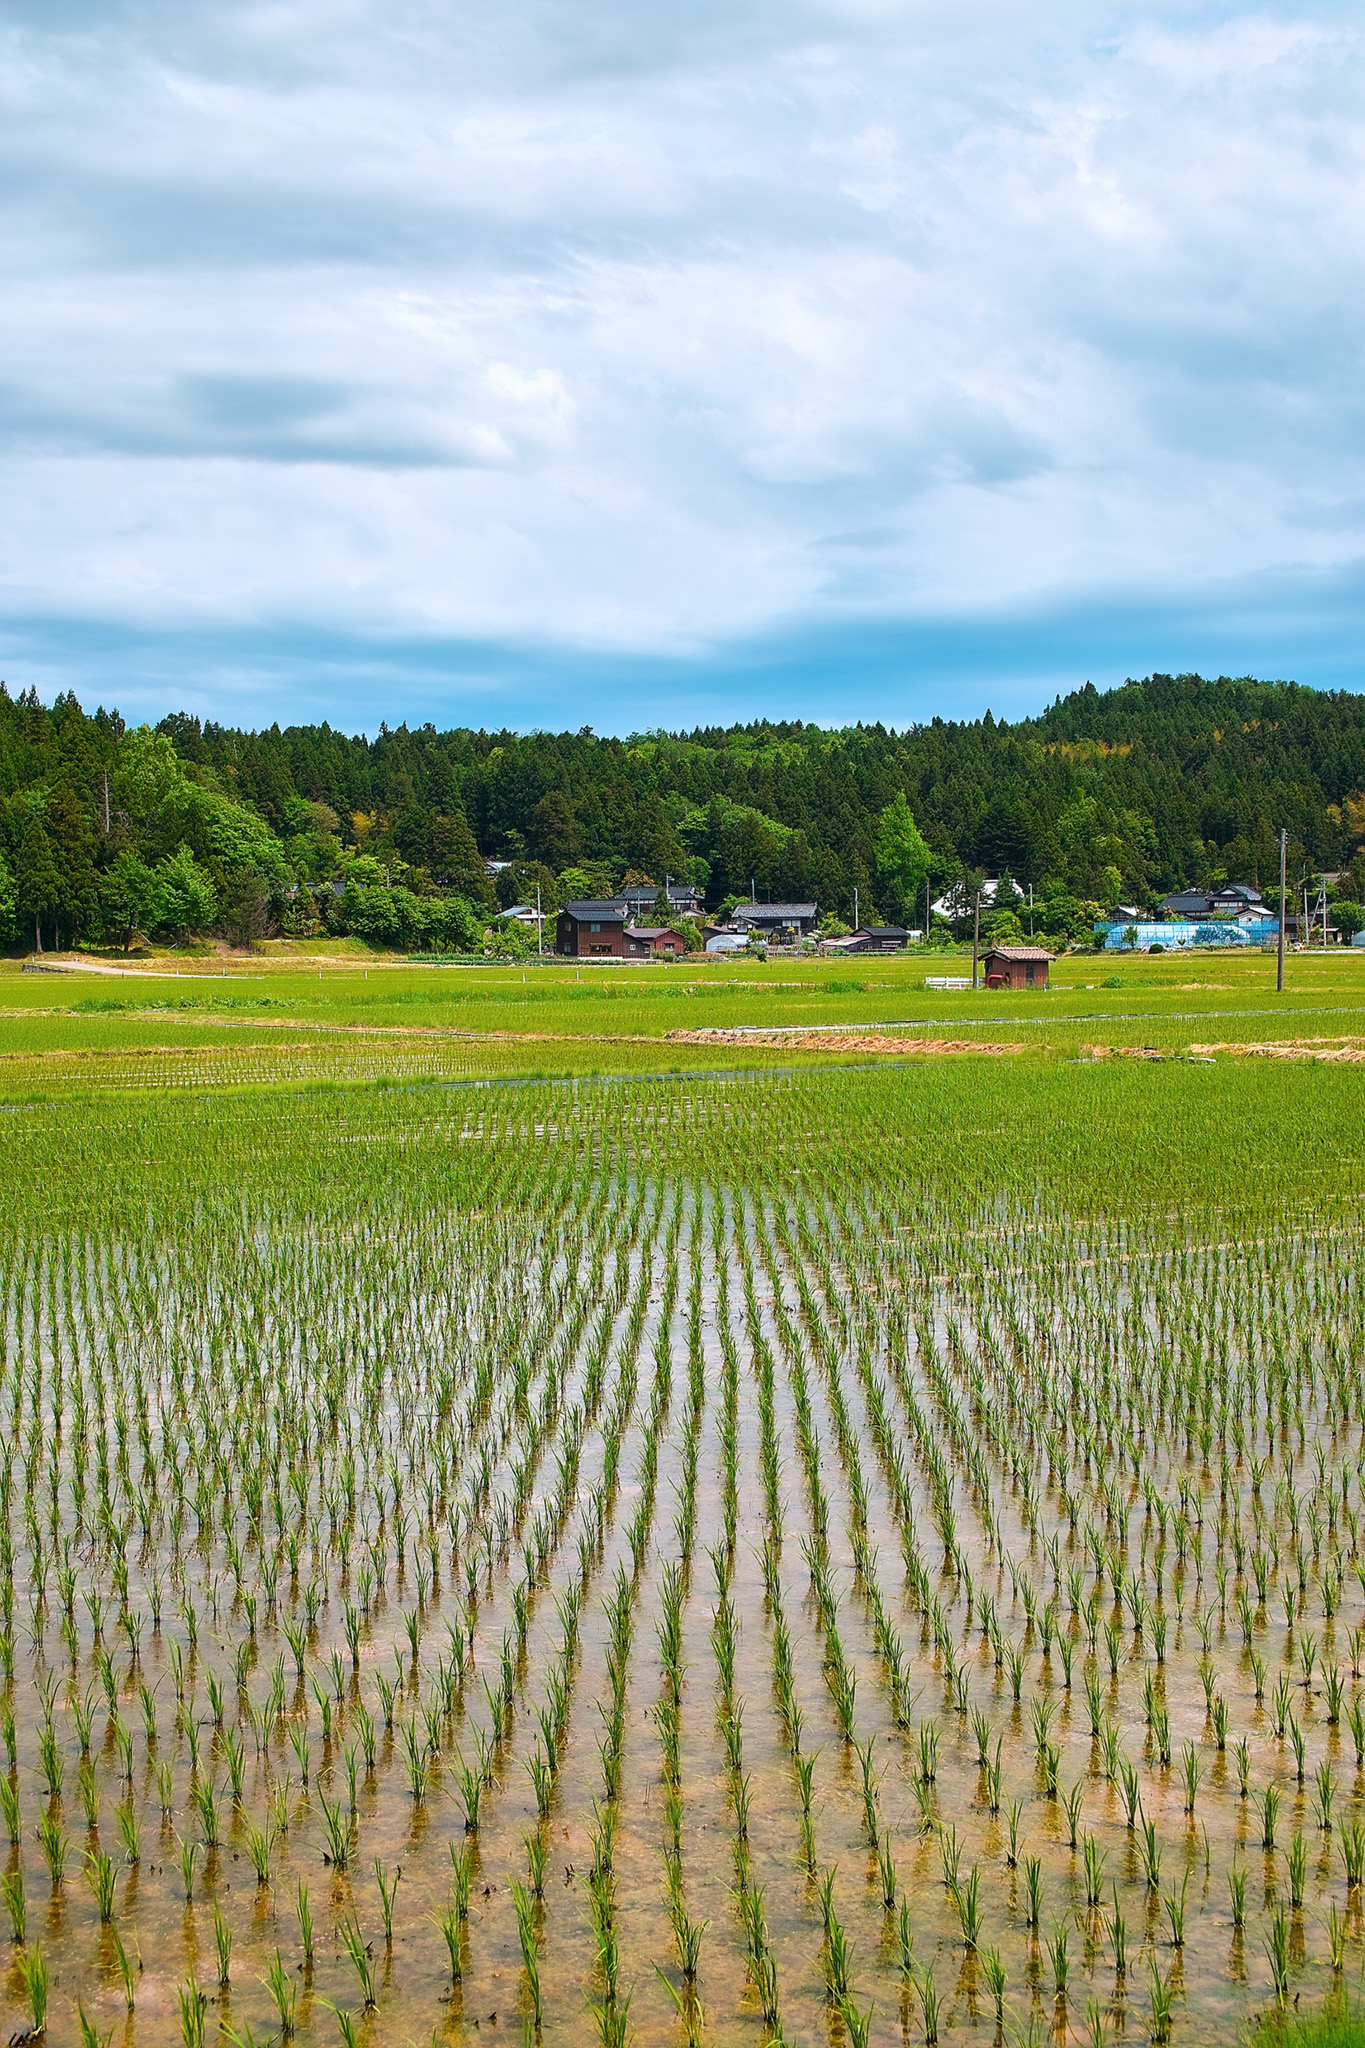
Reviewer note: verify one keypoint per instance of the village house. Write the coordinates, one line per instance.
(658, 941)
(684, 899)
(873, 938)
(592, 928)
(1233, 899)
(782, 924)
(599, 929)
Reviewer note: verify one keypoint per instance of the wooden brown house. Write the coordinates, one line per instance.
(1016, 967)
(592, 929)
(596, 929)
(654, 941)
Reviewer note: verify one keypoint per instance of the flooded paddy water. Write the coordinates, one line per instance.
(649, 1568)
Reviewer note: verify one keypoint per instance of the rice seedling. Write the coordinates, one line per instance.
(31, 1964)
(1033, 1890)
(222, 1941)
(102, 1878)
(9, 1802)
(12, 1891)
(90, 2035)
(886, 1872)
(1163, 2006)
(55, 1844)
(857, 2024)
(1149, 1851)
(1095, 1859)
(529, 1942)
(1237, 1889)
(1277, 1954)
(461, 1879)
(204, 1798)
(1269, 1804)
(354, 1945)
(129, 1831)
(1324, 1784)
(388, 1890)
(452, 1933)
(1336, 1936)
(930, 2004)
(1192, 1773)
(284, 1993)
(1118, 1936)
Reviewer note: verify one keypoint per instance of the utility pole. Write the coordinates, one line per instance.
(1279, 963)
(540, 927)
(1030, 910)
(928, 912)
(855, 906)
(976, 936)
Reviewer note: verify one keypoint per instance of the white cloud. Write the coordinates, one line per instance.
(638, 327)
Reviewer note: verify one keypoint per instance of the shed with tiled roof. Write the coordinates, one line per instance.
(1016, 966)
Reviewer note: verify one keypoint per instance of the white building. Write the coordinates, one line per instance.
(957, 900)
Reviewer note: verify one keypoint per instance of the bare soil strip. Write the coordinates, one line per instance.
(1342, 1051)
(841, 1041)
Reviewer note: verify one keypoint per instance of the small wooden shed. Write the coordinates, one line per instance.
(1016, 967)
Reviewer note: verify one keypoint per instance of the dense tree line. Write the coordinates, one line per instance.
(1103, 798)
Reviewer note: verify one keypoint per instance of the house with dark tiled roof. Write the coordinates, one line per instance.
(684, 899)
(781, 922)
(600, 928)
(1230, 899)
(592, 928)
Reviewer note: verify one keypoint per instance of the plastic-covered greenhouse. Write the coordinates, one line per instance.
(1180, 932)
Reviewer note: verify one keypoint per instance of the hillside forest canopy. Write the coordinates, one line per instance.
(110, 833)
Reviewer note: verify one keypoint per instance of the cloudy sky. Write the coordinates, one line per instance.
(637, 362)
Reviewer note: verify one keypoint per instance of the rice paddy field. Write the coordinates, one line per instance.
(843, 1525)
(289, 1019)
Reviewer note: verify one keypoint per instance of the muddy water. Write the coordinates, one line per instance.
(1216, 1975)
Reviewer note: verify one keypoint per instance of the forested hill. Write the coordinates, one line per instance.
(1106, 796)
